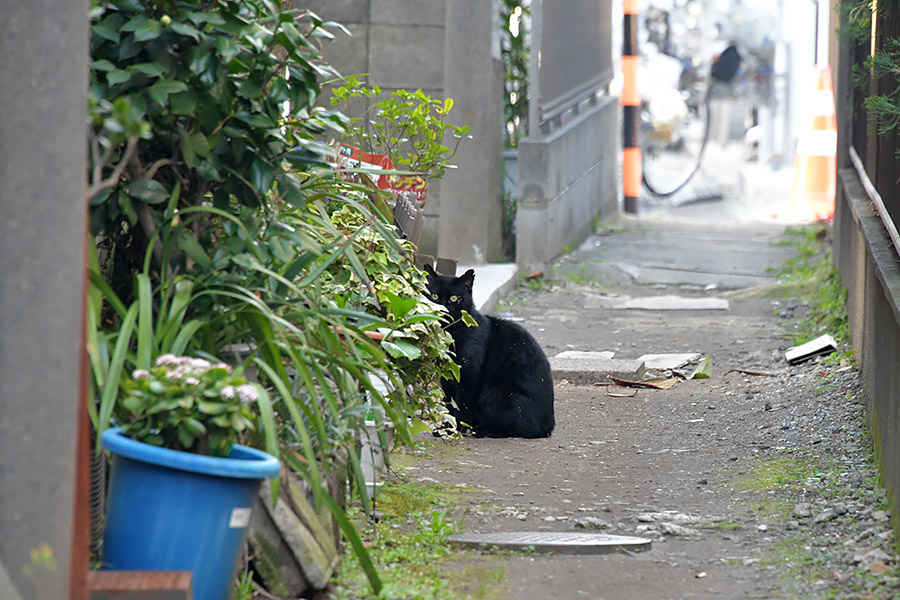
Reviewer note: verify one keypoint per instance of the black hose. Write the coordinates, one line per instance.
(724, 68)
(693, 172)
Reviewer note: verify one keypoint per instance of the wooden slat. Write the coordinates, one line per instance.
(140, 585)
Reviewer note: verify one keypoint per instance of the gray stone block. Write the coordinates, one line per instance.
(566, 180)
(347, 53)
(408, 12)
(587, 370)
(342, 11)
(407, 57)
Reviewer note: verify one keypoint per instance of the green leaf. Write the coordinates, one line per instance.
(108, 28)
(401, 349)
(187, 149)
(102, 65)
(195, 427)
(193, 249)
(208, 407)
(266, 413)
(400, 307)
(418, 426)
(201, 60)
(359, 549)
(161, 90)
(468, 319)
(117, 76)
(703, 370)
(261, 175)
(150, 29)
(183, 103)
(149, 69)
(132, 404)
(145, 322)
(185, 438)
(227, 48)
(148, 190)
(116, 366)
(185, 29)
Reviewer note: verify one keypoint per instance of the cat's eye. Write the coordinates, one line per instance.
(434, 296)
(454, 298)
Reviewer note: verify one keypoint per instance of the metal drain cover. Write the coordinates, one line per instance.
(549, 541)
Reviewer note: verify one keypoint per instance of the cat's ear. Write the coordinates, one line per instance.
(429, 270)
(468, 279)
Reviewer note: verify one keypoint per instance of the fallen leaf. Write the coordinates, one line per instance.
(663, 384)
(703, 370)
(878, 568)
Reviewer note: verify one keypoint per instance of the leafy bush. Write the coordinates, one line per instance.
(407, 127)
(194, 104)
(210, 211)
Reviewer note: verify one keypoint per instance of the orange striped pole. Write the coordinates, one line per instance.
(631, 106)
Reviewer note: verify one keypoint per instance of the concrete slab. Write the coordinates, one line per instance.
(582, 354)
(655, 303)
(593, 369)
(553, 541)
(492, 283)
(668, 361)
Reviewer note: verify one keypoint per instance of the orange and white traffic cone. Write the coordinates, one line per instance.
(815, 174)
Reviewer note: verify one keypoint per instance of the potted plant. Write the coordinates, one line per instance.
(181, 488)
(405, 130)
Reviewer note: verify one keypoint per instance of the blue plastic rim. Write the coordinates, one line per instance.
(243, 462)
(172, 510)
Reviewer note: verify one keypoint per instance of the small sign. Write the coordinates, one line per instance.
(240, 518)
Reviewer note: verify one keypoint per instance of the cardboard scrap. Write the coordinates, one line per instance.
(824, 344)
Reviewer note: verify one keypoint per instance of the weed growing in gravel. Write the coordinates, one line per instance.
(773, 473)
(407, 546)
(817, 283)
(798, 558)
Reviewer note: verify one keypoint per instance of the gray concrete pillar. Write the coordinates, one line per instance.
(470, 210)
(43, 95)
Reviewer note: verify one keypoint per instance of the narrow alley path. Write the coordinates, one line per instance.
(724, 474)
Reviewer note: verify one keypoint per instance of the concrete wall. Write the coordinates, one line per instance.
(43, 92)
(870, 270)
(446, 49)
(566, 179)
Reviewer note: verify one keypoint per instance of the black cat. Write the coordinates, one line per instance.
(505, 387)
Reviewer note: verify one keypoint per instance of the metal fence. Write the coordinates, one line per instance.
(873, 154)
(571, 59)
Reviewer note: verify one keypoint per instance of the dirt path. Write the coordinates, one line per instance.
(750, 486)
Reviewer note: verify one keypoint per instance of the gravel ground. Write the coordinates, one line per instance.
(750, 485)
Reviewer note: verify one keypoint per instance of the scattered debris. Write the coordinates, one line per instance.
(654, 384)
(618, 394)
(824, 344)
(755, 373)
(655, 303)
(668, 362)
(591, 523)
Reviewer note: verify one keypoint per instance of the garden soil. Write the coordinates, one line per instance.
(755, 482)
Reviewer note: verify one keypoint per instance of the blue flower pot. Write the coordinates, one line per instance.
(177, 511)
